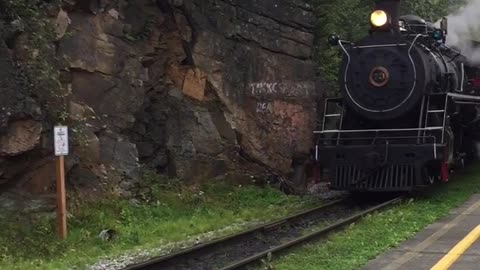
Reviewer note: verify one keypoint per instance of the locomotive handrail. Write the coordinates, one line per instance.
(376, 130)
(468, 102)
(456, 97)
(334, 99)
(379, 138)
(463, 96)
(374, 141)
(380, 46)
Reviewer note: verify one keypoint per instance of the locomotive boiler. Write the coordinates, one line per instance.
(405, 115)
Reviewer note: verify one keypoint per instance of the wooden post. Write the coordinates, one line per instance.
(61, 150)
(61, 198)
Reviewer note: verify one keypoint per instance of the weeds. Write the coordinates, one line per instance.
(377, 233)
(169, 212)
(267, 262)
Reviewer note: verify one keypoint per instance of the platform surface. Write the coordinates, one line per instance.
(430, 247)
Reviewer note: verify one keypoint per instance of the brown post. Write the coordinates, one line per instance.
(61, 150)
(61, 198)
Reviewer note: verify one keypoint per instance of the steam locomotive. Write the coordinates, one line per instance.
(407, 114)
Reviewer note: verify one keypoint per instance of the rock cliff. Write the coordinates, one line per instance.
(196, 89)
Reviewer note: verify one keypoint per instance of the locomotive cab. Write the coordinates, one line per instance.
(398, 123)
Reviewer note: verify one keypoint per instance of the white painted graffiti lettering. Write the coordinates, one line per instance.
(262, 107)
(283, 89)
(263, 88)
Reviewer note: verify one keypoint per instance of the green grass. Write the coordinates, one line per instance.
(361, 242)
(169, 213)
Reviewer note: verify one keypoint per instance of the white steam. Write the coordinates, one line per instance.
(464, 26)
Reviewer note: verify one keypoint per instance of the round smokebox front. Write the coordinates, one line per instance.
(380, 81)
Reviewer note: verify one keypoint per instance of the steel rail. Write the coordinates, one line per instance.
(205, 246)
(299, 240)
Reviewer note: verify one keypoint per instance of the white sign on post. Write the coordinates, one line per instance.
(61, 140)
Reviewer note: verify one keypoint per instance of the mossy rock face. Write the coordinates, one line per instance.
(193, 89)
(15, 102)
(21, 118)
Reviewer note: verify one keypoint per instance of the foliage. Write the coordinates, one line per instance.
(267, 262)
(379, 232)
(168, 213)
(35, 43)
(350, 20)
(144, 33)
(345, 18)
(36, 33)
(432, 10)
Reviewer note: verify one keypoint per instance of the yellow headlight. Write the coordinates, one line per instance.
(378, 18)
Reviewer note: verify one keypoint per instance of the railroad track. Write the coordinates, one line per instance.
(247, 247)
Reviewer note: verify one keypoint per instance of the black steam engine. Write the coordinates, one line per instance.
(406, 113)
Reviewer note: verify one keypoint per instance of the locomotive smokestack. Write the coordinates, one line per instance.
(392, 8)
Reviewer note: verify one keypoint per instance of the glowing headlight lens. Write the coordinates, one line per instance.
(378, 18)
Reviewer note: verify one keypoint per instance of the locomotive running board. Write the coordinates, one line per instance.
(463, 97)
(376, 130)
(454, 96)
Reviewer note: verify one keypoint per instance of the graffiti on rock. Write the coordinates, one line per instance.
(282, 89)
(264, 107)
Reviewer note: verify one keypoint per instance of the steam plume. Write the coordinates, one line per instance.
(464, 26)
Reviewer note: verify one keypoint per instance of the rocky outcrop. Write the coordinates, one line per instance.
(197, 89)
(256, 57)
(21, 136)
(20, 118)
